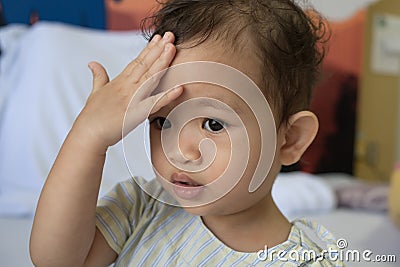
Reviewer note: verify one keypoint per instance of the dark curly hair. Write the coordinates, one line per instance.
(288, 41)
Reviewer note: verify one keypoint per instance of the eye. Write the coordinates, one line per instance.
(161, 123)
(213, 126)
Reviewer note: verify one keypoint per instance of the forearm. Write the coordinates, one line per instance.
(64, 224)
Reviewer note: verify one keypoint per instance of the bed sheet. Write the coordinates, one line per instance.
(362, 230)
(14, 242)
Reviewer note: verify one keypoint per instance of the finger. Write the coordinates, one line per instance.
(131, 66)
(162, 99)
(100, 76)
(144, 61)
(162, 63)
(153, 76)
(154, 103)
(138, 113)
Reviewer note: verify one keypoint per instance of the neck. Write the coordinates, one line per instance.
(251, 229)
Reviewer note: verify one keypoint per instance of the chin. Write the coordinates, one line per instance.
(211, 209)
(199, 211)
(204, 210)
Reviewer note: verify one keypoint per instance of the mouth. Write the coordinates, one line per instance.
(183, 180)
(185, 187)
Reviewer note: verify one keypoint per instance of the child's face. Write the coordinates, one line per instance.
(223, 126)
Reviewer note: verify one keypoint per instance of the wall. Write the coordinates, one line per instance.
(376, 138)
(337, 10)
(127, 14)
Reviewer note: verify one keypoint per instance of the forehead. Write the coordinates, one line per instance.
(210, 96)
(211, 51)
(245, 60)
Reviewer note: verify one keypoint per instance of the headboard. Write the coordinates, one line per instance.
(87, 13)
(99, 14)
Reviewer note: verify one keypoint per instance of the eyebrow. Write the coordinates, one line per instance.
(218, 103)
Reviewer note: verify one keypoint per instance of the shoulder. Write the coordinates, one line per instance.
(300, 249)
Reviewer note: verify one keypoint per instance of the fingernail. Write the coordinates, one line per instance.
(166, 36)
(156, 38)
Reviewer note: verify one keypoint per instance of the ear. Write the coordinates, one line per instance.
(298, 135)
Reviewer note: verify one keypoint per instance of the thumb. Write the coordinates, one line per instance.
(100, 76)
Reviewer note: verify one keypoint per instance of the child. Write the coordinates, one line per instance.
(271, 41)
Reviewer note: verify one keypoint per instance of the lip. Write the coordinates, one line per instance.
(185, 187)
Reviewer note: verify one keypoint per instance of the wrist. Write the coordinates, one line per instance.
(87, 140)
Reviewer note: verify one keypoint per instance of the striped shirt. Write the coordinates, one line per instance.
(146, 232)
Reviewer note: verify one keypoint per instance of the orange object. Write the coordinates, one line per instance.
(346, 44)
(394, 195)
(127, 15)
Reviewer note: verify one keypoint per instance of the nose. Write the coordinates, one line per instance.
(188, 149)
(189, 141)
(182, 145)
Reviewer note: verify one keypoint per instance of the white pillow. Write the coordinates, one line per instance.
(48, 82)
(299, 194)
(9, 42)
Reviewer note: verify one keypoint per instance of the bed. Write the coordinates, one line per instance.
(44, 81)
(363, 231)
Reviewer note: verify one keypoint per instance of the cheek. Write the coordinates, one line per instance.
(155, 147)
(254, 137)
(223, 156)
(253, 148)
